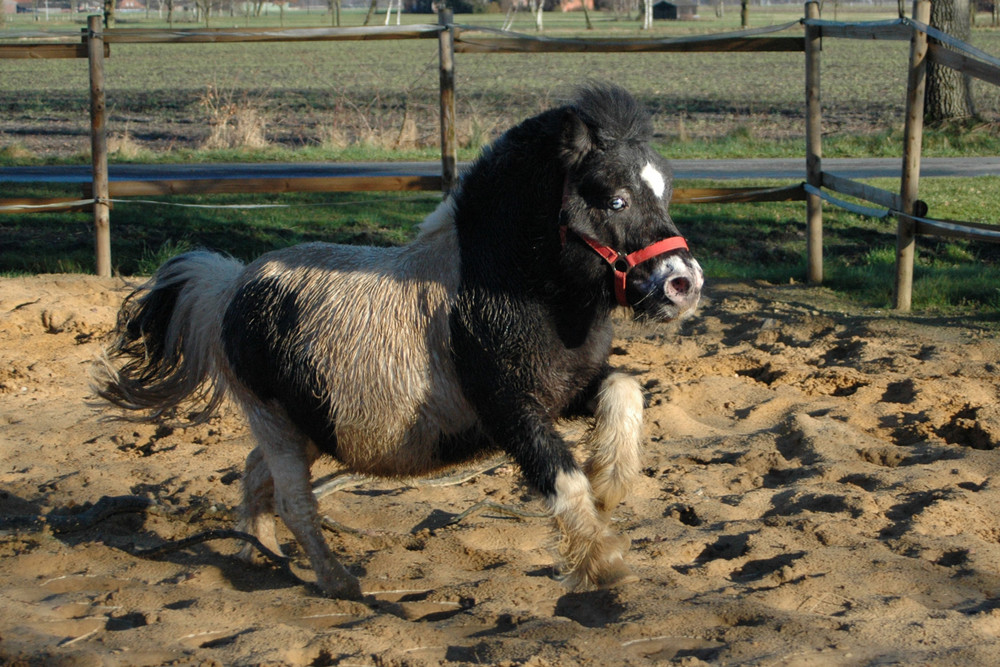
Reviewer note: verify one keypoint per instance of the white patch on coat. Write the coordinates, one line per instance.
(441, 218)
(615, 440)
(654, 179)
(572, 495)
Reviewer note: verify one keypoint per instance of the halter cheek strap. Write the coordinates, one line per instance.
(621, 263)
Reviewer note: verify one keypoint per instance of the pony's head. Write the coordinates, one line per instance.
(614, 217)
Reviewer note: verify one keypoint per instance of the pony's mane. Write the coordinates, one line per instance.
(519, 158)
(612, 114)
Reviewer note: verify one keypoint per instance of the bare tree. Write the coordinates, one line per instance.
(949, 93)
(508, 21)
(204, 7)
(334, 6)
(586, 15)
(398, 4)
(537, 6)
(109, 13)
(647, 14)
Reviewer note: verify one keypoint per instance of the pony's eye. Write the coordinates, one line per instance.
(617, 203)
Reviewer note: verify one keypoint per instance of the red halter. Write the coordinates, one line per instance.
(622, 263)
(619, 261)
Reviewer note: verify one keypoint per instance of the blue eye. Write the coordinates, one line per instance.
(617, 203)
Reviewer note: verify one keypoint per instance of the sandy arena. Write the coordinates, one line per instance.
(819, 489)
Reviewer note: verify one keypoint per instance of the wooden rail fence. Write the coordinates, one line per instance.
(927, 44)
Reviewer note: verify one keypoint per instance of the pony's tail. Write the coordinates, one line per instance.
(168, 346)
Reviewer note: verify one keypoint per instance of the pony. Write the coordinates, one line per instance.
(475, 338)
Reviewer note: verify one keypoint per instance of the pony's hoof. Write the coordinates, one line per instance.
(617, 574)
(250, 555)
(342, 589)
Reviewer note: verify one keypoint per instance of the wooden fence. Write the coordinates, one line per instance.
(906, 207)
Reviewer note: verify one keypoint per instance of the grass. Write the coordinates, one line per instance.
(732, 241)
(143, 234)
(768, 242)
(378, 101)
(364, 93)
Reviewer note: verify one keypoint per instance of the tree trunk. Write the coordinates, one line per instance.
(949, 93)
(745, 13)
(109, 13)
(371, 11)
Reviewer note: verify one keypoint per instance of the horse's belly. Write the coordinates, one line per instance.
(422, 449)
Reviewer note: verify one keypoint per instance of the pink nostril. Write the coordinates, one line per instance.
(680, 286)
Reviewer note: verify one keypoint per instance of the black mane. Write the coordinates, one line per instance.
(612, 115)
(512, 193)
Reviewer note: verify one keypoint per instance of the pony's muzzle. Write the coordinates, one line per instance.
(676, 284)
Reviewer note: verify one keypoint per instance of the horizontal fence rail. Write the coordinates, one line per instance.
(927, 44)
(216, 35)
(471, 39)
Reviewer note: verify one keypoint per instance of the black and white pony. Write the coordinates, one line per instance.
(476, 337)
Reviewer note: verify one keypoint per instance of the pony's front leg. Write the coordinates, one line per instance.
(289, 456)
(615, 440)
(592, 553)
(582, 504)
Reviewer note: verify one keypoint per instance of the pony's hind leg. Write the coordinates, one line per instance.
(257, 509)
(615, 441)
(289, 456)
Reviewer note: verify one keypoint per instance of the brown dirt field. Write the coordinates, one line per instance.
(819, 489)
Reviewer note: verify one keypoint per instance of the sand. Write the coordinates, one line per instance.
(818, 489)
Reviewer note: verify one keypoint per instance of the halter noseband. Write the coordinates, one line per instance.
(621, 263)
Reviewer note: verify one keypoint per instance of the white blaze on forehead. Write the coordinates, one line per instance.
(654, 179)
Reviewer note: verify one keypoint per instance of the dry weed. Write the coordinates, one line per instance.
(15, 151)
(333, 137)
(124, 146)
(408, 136)
(475, 131)
(339, 136)
(235, 123)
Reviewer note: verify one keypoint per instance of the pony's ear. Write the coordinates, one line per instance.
(577, 140)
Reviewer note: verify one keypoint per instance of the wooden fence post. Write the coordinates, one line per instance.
(913, 133)
(449, 149)
(99, 146)
(814, 148)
